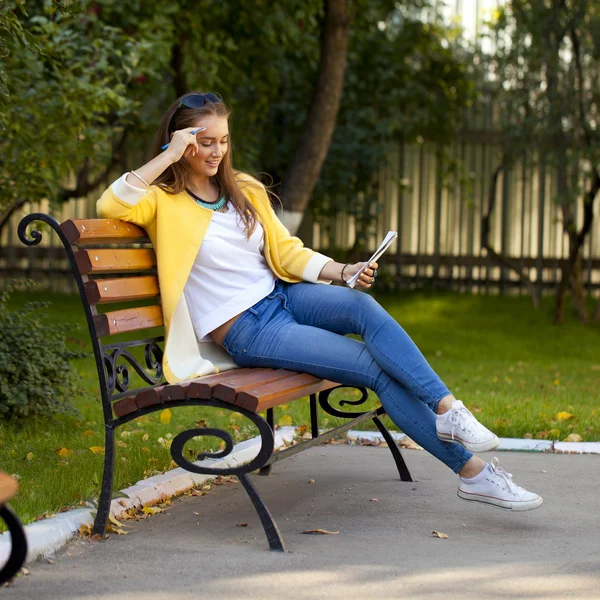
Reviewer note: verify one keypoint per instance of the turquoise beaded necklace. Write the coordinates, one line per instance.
(217, 205)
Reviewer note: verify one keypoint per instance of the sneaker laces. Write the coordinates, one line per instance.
(500, 472)
(459, 416)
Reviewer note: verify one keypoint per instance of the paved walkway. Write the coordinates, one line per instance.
(384, 549)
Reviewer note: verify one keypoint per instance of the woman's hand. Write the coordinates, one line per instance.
(183, 142)
(367, 277)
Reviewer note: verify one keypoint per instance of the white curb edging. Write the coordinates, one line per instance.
(47, 536)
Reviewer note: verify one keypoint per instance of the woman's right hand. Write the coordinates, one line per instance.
(182, 143)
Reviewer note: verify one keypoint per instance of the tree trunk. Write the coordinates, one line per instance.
(485, 240)
(5, 216)
(578, 291)
(303, 172)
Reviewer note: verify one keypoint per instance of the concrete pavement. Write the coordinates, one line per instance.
(384, 549)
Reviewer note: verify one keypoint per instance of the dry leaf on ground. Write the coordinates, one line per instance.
(165, 416)
(321, 531)
(64, 452)
(152, 510)
(406, 442)
(564, 416)
(573, 437)
(97, 449)
(285, 421)
(241, 524)
(439, 534)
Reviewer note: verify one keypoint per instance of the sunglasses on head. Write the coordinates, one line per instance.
(194, 101)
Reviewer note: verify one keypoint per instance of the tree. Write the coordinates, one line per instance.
(267, 60)
(546, 71)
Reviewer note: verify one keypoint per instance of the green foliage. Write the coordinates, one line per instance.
(36, 377)
(63, 92)
(82, 74)
(543, 77)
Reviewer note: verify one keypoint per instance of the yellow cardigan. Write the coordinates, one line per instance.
(176, 226)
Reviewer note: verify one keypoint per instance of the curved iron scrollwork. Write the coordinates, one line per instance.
(328, 408)
(267, 443)
(117, 375)
(18, 551)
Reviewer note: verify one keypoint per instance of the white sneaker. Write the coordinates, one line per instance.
(496, 487)
(459, 425)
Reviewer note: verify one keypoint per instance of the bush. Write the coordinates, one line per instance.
(36, 376)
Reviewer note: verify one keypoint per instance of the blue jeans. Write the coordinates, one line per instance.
(302, 327)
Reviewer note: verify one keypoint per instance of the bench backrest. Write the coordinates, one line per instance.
(114, 266)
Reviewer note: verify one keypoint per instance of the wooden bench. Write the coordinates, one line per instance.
(113, 261)
(18, 550)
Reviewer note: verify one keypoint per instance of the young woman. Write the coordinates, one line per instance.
(238, 290)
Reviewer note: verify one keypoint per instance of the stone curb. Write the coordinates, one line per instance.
(47, 536)
(506, 444)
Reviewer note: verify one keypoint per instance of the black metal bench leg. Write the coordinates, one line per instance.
(271, 530)
(18, 551)
(314, 417)
(266, 471)
(107, 485)
(402, 467)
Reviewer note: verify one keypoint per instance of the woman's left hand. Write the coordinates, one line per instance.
(367, 277)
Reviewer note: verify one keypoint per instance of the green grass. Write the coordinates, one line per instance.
(505, 360)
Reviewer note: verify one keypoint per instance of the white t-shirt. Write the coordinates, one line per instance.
(229, 275)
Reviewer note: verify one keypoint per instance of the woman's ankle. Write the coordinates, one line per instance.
(445, 404)
(473, 467)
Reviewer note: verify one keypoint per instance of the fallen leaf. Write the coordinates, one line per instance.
(23, 571)
(49, 561)
(374, 500)
(85, 529)
(439, 534)
(311, 481)
(198, 493)
(564, 416)
(120, 444)
(117, 530)
(97, 449)
(29, 456)
(573, 437)
(64, 452)
(165, 416)
(301, 430)
(406, 442)
(88, 433)
(285, 420)
(241, 524)
(321, 531)
(152, 510)
(196, 513)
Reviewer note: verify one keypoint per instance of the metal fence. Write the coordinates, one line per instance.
(438, 220)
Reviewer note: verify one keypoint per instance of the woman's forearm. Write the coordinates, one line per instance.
(332, 271)
(151, 170)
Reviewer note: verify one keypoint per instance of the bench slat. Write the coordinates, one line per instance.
(125, 406)
(107, 260)
(227, 391)
(129, 319)
(199, 388)
(279, 392)
(99, 291)
(102, 231)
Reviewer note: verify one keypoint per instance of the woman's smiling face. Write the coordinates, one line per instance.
(213, 144)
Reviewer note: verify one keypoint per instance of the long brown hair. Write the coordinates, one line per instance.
(173, 179)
